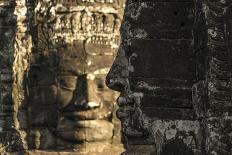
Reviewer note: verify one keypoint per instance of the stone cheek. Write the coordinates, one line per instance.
(89, 131)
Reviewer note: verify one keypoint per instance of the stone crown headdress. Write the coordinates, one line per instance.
(93, 21)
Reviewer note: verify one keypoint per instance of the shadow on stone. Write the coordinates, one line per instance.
(176, 147)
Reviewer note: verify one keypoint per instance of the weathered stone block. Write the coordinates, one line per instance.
(175, 59)
(166, 101)
(173, 20)
(150, 84)
(170, 113)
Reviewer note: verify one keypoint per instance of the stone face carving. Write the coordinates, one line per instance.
(168, 70)
(70, 108)
(55, 59)
(154, 71)
(173, 70)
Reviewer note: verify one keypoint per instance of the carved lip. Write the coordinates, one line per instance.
(105, 111)
(87, 115)
(85, 131)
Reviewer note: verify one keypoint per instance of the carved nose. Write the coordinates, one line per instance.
(117, 78)
(87, 95)
(116, 83)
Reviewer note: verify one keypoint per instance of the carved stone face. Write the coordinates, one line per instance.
(85, 104)
(71, 98)
(154, 71)
(68, 100)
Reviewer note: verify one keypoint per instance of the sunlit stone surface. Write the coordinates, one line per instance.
(60, 54)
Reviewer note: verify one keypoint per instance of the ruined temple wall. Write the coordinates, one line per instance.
(7, 26)
(218, 117)
(7, 35)
(213, 104)
(15, 45)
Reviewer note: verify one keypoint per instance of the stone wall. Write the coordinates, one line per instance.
(15, 45)
(212, 97)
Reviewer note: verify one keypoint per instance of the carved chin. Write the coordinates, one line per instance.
(85, 131)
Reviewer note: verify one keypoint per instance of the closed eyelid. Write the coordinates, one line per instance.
(67, 82)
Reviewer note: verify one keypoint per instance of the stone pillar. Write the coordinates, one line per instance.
(213, 94)
(7, 34)
(15, 50)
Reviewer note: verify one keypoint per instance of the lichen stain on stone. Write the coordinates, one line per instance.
(134, 10)
(164, 131)
(142, 84)
(132, 57)
(140, 33)
(212, 33)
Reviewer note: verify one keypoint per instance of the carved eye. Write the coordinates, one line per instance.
(67, 82)
(100, 83)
